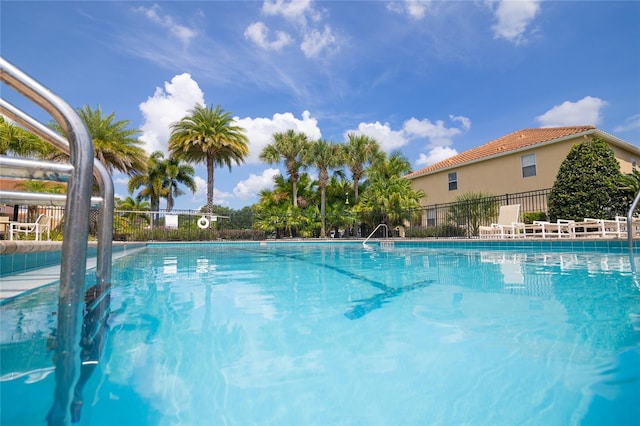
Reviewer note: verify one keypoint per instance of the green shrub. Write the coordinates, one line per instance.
(530, 217)
(442, 231)
(587, 184)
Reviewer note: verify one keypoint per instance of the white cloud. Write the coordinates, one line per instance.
(437, 154)
(181, 32)
(250, 187)
(583, 112)
(388, 139)
(294, 10)
(631, 123)
(120, 178)
(166, 107)
(315, 42)
(221, 198)
(416, 9)
(260, 130)
(200, 196)
(466, 123)
(201, 189)
(437, 133)
(513, 18)
(259, 34)
(301, 15)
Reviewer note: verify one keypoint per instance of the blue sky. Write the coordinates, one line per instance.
(428, 78)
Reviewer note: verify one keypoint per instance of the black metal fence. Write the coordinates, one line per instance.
(451, 220)
(462, 219)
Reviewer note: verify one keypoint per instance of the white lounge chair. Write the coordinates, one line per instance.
(507, 225)
(635, 226)
(4, 227)
(600, 228)
(42, 224)
(540, 228)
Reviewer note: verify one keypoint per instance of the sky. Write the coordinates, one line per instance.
(427, 78)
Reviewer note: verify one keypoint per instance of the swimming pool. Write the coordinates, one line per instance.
(289, 334)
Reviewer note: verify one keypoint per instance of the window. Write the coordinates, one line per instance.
(453, 181)
(634, 163)
(528, 165)
(431, 218)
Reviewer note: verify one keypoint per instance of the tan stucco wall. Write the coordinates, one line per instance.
(503, 175)
(625, 159)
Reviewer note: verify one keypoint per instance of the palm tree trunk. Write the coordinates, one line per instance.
(294, 186)
(323, 213)
(355, 190)
(169, 201)
(210, 184)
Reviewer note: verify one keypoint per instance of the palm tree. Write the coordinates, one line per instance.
(211, 136)
(116, 146)
(287, 146)
(389, 196)
(394, 166)
(177, 173)
(131, 206)
(323, 156)
(152, 182)
(630, 183)
(42, 187)
(17, 141)
(359, 151)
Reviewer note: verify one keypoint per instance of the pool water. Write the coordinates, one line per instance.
(328, 334)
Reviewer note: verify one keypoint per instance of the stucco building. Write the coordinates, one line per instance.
(522, 161)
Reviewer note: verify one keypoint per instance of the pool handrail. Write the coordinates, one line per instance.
(75, 238)
(103, 179)
(364, 243)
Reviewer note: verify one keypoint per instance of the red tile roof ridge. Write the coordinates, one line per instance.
(513, 141)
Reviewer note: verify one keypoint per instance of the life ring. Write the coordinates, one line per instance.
(203, 223)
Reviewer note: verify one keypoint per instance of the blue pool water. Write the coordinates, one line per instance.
(328, 334)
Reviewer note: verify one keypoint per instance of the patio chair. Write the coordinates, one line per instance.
(545, 229)
(4, 227)
(635, 226)
(507, 225)
(42, 223)
(601, 228)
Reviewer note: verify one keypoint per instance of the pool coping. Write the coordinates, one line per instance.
(17, 284)
(612, 245)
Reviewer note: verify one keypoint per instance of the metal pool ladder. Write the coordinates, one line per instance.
(78, 201)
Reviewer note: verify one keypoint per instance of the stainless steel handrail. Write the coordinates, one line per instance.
(75, 237)
(39, 199)
(100, 172)
(34, 169)
(374, 231)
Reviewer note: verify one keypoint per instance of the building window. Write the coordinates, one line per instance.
(453, 181)
(431, 217)
(634, 163)
(528, 165)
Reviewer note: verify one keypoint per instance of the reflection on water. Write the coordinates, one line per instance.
(340, 334)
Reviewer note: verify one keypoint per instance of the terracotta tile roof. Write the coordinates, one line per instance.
(511, 142)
